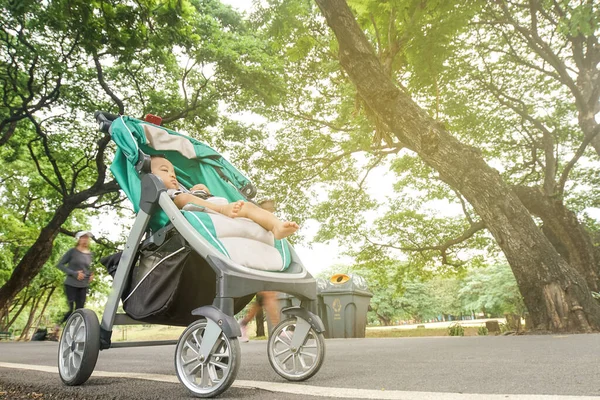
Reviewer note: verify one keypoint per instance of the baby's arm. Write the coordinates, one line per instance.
(185, 198)
(230, 210)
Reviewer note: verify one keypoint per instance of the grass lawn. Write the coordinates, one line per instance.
(417, 332)
(146, 332)
(162, 332)
(157, 332)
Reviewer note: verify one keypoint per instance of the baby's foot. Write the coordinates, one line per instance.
(232, 209)
(284, 229)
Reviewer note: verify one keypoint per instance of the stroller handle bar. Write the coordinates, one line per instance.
(104, 120)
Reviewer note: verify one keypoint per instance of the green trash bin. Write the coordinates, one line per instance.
(345, 305)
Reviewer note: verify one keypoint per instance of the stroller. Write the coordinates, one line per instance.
(193, 268)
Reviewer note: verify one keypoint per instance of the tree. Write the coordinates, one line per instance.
(451, 81)
(61, 61)
(329, 148)
(491, 290)
(538, 116)
(418, 302)
(556, 295)
(445, 292)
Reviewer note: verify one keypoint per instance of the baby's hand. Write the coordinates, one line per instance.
(200, 187)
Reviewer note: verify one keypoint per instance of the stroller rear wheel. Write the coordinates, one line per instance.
(206, 361)
(79, 346)
(296, 358)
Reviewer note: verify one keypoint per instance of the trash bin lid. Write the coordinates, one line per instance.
(339, 278)
(350, 283)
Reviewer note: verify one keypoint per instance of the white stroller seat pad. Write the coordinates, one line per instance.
(241, 240)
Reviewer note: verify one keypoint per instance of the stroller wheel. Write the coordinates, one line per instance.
(211, 375)
(79, 346)
(296, 358)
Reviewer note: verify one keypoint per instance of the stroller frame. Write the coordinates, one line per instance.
(233, 280)
(216, 323)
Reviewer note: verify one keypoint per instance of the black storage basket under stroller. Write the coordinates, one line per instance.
(168, 282)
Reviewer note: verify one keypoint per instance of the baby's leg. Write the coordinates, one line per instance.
(267, 220)
(232, 210)
(284, 229)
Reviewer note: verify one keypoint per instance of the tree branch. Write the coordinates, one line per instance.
(369, 169)
(377, 37)
(541, 48)
(464, 206)
(44, 139)
(138, 89)
(565, 174)
(442, 248)
(102, 143)
(18, 113)
(308, 118)
(104, 85)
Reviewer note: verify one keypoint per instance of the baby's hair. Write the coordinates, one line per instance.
(158, 156)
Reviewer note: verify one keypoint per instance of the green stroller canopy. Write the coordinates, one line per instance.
(194, 163)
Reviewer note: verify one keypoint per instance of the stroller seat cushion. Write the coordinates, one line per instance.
(241, 240)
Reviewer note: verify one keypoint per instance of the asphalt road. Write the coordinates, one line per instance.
(405, 368)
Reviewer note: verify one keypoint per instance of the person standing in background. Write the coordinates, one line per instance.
(76, 264)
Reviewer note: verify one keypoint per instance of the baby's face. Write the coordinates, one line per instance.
(163, 168)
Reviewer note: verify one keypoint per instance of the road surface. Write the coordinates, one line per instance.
(447, 368)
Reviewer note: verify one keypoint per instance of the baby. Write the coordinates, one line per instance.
(162, 168)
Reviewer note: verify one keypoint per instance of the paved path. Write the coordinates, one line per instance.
(445, 368)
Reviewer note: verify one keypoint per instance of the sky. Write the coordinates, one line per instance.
(240, 5)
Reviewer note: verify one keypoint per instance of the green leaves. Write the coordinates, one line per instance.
(492, 289)
(415, 38)
(579, 18)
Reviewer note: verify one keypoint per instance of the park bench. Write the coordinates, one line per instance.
(5, 335)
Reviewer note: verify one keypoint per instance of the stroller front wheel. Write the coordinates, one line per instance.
(296, 358)
(78, 348)
(211, 374)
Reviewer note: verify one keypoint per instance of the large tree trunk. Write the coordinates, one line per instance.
(555, 294)
(564, 231)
